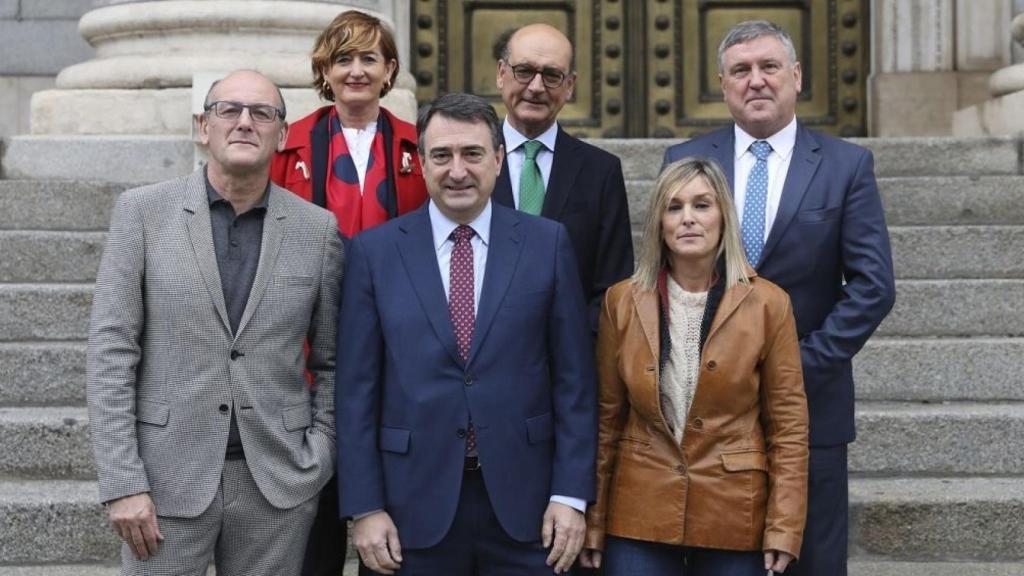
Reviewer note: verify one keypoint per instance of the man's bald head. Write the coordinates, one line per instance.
(535, 77)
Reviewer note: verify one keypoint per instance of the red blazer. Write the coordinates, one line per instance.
(292, 168)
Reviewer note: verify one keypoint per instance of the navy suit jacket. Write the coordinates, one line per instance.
(830, 228)
(405, 396)
(587, 193)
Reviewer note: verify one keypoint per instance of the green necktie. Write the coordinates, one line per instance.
(531, 183)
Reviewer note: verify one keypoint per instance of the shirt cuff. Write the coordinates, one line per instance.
(576, 503)
(365, 514)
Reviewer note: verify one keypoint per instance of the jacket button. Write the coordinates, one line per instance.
(460, 433)
(712, 364)
(681, 469)
(223, 408)
(235, 354)
(469, 380)
(698, 423)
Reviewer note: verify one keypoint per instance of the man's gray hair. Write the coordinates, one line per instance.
(751, 30)
(462, 107)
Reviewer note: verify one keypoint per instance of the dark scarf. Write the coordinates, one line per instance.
(710, 308)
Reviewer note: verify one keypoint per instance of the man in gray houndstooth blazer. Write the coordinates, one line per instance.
(208, 446)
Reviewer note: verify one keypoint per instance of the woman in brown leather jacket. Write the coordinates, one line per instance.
(702, 453)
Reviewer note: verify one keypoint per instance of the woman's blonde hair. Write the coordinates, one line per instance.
(352, 31)
(654, 255)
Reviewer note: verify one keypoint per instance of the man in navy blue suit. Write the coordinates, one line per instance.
(813, 223)
(466, 408)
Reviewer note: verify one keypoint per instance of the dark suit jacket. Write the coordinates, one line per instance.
(587, 193)
(405, 395)
(830, 227)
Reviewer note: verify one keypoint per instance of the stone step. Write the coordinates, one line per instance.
(925, 252)
(902, 438)
(53, 521)
(642, 158)
(941, 252)
(956, 308)
(56, 204)
(42, 373)
(47, 256)
(894, 438)
(46, 443)
(883, 568)
(937, 519)
(924, 308)
(978, 369)
(63, 570)
(916, 201)
(44, 311)
(892, 520)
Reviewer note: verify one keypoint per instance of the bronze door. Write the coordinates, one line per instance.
(648, 68)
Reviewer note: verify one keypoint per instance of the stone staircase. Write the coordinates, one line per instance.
(938, 468)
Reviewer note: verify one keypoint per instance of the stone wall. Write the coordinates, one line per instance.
(37, 39)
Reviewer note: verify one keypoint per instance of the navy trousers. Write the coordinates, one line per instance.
(628, 557)
(824, 549)
(476, 544)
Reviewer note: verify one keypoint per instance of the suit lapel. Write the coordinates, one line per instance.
(723, 146)
(197, 220)
(646, 302)
(273, 233)
(502, 260)
(730, 302)
(565, 167)
(802, 168)
(503, 186)
(416, 249)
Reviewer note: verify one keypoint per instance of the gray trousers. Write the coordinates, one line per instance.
(241, 533)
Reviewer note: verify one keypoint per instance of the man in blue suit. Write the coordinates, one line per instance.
(466, 408)
(813, 223)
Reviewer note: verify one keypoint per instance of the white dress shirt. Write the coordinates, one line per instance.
(782, 143)
(442, 227)
(515, 154)
(360, 142)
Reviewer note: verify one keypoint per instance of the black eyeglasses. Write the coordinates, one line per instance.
(524, 74)
(230, 110)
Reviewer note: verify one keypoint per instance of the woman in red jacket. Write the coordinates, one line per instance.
(354, 158)
(359, 161)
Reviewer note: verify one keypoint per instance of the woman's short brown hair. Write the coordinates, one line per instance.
(352, 31)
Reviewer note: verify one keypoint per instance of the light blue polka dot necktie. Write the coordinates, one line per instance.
(755, 201)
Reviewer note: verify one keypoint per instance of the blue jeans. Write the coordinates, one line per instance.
(628, 557)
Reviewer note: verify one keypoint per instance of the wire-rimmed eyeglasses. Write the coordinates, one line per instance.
(231, 110)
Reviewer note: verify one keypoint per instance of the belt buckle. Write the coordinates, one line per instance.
(471, 463)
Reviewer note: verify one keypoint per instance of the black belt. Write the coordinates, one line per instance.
(471, 464)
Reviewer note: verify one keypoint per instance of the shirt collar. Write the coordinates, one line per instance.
(513, 139)
(782, 142)
(442, 227)
(212, 196)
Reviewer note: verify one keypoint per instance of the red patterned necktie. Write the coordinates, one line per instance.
(460, 303)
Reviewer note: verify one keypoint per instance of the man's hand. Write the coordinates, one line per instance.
(376, 538)
(562, 531)
(134, 520)
(776, 560)
(590, 558)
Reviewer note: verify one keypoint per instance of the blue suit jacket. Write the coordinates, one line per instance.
(830, 227)
(405, 396)
(587, 193)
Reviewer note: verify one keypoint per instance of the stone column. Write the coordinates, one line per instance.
(912, 80)
(1000, 115)
(147, 53)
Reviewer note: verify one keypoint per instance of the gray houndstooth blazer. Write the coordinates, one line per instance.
(162, 361)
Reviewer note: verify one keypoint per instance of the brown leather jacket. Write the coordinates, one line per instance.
(739, 480)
